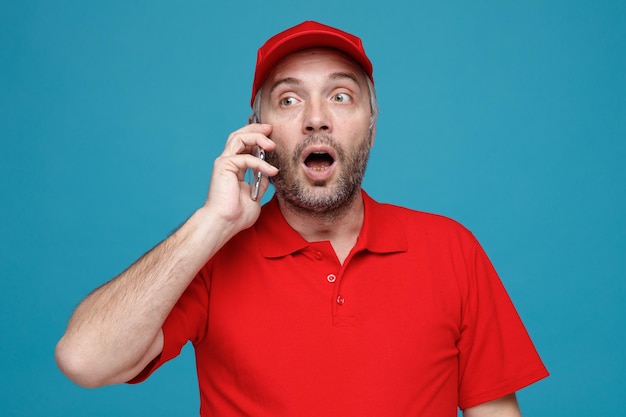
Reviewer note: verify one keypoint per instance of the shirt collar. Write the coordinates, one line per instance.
(382, 232)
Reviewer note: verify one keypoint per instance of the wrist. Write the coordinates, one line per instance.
(211, 228)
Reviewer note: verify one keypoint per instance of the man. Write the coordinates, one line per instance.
(323, 302)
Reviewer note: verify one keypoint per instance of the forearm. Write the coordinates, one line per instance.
(115, 331)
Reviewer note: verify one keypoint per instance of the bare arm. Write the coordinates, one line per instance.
(116, 331)
(502, 407)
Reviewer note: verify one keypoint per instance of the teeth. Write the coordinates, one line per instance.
(319, 169)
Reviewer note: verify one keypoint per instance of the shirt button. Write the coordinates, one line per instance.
(340, 300)
(331, 278)
(318, 255)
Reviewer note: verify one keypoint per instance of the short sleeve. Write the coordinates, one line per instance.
(496, 355)
(186, 322)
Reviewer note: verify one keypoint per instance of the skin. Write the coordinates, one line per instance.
(314, 100)
(502, 407)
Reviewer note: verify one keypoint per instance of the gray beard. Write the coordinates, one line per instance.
(321, 199)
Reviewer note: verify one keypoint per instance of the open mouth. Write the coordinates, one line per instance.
(318, 161)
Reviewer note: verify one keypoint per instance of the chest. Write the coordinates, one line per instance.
(380, 309)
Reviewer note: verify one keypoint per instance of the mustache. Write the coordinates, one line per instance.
(324, 139)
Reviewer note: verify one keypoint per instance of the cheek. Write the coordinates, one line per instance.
(283, 136)
(283, 116)
(283, 153)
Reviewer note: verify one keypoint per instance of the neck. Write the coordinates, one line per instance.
(340, 226)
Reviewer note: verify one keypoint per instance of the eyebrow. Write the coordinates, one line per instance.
(287, 80)
(342, 75)
(296, 81)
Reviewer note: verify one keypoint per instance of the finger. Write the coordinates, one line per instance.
(246, 138)
(260, 165)
(239, 163)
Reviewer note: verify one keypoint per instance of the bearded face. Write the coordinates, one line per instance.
(318, 102)
(323, 195)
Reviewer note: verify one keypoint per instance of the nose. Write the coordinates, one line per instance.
(317, 118)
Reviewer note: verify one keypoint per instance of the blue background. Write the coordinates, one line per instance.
(507, 116)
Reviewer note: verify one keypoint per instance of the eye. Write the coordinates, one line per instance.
(341, 98)
(287, 101)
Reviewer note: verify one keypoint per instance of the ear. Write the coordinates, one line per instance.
(373, 134)
(253, 118)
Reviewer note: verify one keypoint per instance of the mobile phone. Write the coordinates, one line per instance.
(255, 176)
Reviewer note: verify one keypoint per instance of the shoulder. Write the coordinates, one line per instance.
(422, 217)
(416, 222)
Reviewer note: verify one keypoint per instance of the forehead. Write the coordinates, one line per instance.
(316, 62)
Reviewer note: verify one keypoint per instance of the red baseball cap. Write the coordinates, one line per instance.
(307, 34)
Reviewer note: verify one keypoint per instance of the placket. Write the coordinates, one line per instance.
(330, 273)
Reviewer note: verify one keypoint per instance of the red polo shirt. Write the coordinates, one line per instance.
(414, 323)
